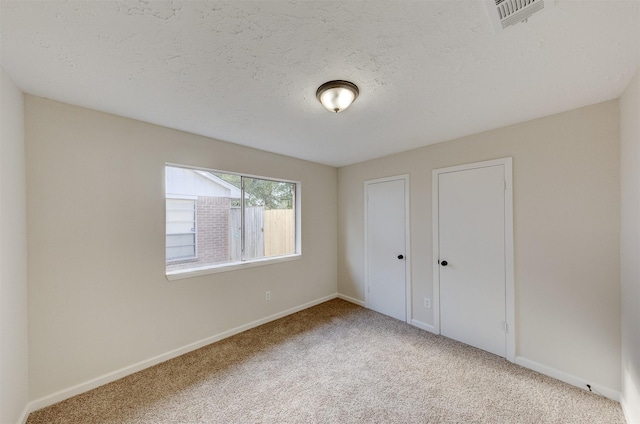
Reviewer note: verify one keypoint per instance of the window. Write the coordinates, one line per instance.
(181, 229)
(217, 221)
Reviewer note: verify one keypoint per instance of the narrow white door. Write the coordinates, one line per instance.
(472, 257)
(386, 248)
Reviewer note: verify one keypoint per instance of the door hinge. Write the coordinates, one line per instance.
(505, 185)
(505, 326)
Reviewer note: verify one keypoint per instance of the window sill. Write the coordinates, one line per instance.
(214, 269)
(181, 261)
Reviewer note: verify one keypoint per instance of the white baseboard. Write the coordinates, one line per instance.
(630, 399)
(568, 378)
(25, 415)
(131, 369)
(627, 412)
(351, 299)
(61, 395)
(423, 326)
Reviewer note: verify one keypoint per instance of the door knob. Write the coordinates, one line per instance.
(444, 263)
(400, 257)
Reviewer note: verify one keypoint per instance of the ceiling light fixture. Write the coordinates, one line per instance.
(337, 95)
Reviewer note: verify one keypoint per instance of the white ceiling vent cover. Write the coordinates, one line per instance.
(505, 13)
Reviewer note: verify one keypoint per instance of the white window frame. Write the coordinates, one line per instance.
(250, 263)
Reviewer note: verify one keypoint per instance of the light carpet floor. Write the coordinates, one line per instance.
(334, 363)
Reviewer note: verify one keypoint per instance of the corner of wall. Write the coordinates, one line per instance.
(14, 372)
(630, 248)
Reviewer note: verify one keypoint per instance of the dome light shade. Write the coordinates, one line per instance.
(337, 95)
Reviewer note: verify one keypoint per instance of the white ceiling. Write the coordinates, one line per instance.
(247, 71)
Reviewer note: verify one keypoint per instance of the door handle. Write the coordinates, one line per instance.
(444, 263)
(400, 257)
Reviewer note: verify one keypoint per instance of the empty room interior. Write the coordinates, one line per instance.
(319, 211)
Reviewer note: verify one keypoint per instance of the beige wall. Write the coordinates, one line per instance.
(630, 247)
(14, 378)
(99, 301)
(98, 297)
(566, 233)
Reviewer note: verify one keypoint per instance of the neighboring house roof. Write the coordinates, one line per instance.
(235, 192)
(194, 182)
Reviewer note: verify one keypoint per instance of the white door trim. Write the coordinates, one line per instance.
(508, 244)
(407, 255)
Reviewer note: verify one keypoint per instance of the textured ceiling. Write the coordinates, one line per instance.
(247, 71)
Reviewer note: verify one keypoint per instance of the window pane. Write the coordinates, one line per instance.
(180, 252)
(177, 240)
(207, 219)
(181, 216)
(206, 223)
(177, 205)
(269, 218)
(180, 227)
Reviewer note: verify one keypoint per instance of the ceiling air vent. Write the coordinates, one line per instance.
(505, 13)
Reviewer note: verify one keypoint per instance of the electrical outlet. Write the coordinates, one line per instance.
(427, 302)
(267, 296)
